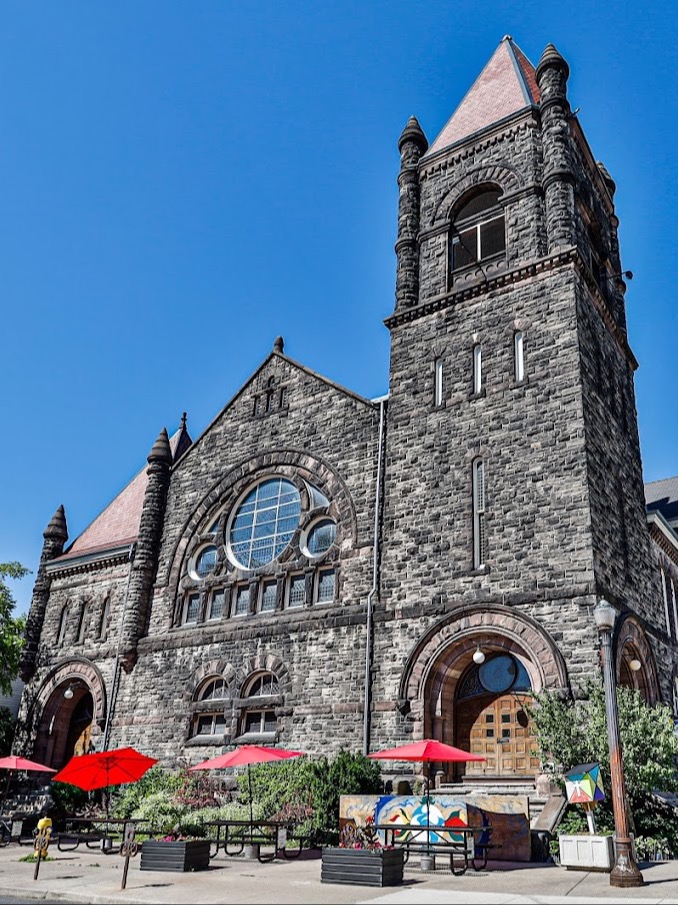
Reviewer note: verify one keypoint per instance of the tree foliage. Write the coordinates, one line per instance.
(12, 628)
(575, 732)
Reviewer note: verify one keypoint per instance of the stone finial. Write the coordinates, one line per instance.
(161, 451)
(413, 132)
(551, 59)
(57, 526)
(607, 179)
(182, 425)
(279, 344)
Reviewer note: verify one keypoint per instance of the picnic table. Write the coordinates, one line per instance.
(233, 835)
(416, 838)
(94, 832)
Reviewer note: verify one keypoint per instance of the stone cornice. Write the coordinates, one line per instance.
(89, 562)
(663, 536)
(569, 256)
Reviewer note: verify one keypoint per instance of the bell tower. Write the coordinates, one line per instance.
(513, 482)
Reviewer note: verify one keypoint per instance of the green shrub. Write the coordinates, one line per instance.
(575, 732)
(128, 798)
(161, 812)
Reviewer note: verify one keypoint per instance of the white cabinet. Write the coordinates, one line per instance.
(586, 852)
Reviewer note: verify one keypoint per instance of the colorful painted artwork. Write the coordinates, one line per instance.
(508, 816)
(584, 784)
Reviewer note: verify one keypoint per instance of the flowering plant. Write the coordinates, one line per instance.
(361, 837)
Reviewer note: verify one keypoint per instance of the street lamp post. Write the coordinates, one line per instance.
(625, 871)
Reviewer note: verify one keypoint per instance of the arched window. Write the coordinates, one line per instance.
(478, 230)
(518, 356)
(63, 621)
(479, 522)
(209, 719)
(438, 382)
(477, 369)
(260, 696)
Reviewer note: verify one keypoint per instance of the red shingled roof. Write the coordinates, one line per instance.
(506, 85)
(119, 523)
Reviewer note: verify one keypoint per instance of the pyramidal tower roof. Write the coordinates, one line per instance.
(506, 85)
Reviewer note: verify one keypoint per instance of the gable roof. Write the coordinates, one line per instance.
(118, 524)
(506, 85)
(662, 496)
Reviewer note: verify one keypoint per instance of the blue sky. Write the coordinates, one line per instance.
(181, 182)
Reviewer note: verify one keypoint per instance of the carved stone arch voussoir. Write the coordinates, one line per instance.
(507, 178)
(71, 670)
(497, 627)
(219, 669)
(287, 462)
(632, 642)
(266, 662)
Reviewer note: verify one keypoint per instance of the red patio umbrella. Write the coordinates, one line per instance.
(13, 764)
(427, 751)
(105, 768)
(244, 756)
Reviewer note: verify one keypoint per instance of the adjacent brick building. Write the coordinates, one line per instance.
(322, 570)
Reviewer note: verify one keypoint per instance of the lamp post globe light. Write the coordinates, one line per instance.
(625, 871)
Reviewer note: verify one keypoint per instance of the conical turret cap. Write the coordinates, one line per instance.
(413, 132)
(57, 526)
(550, 59)
(161, 451)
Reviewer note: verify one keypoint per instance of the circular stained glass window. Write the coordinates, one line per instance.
(320, 537)
(264, 523)
(498, 674)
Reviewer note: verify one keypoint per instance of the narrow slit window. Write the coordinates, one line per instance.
(61, 633)
(438, 383)
(667, 612)
(518, 355)
(479, 515)
(675, 606)
(477, 369)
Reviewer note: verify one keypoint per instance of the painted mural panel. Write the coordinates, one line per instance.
(507, 815)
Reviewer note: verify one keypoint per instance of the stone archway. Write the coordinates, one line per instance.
(441, 664)
(69, 712)
(635, 664)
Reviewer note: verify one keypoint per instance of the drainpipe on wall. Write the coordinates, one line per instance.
(116, 665)
(375, 583)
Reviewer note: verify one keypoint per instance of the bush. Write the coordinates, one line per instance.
(575, 732)
(125, 800)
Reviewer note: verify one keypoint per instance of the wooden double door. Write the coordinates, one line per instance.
(499, 728)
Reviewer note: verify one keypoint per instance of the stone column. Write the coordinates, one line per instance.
(55, 535)
(552, 74)
(144, 567)
(412, 144)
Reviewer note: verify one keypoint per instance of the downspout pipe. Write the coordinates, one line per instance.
(118, 651)
(369, 627)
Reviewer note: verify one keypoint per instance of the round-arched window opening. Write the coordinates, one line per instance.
(204, 563)
(264, 523)
(499, 674)
(319, 538)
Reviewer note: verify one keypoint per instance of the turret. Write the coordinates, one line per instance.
(412, 144)
(55, 535)
(552, 73)
(145, 562)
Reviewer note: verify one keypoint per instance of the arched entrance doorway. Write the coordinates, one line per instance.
(636, 667)
(467, 682)
(66, 726)
(68, 713)
(492, 718)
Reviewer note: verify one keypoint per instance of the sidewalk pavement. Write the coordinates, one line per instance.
(91, 876)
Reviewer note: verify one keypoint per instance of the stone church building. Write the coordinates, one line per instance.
(320, 570)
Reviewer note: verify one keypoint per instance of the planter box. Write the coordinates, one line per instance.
(586, 852)
(362, 867)
(175, 856)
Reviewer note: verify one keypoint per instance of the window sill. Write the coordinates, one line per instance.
(200, 741)
(481, 395)
(255, 738)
